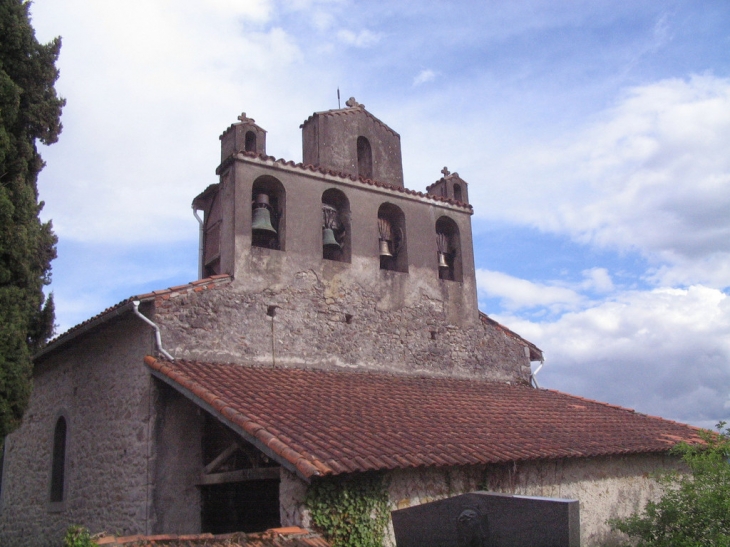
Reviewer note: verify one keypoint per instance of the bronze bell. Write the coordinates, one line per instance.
(384, 249)
(328, 239)
(261, 221)
(442, 260)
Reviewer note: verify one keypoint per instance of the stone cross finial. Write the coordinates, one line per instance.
(244, 118)
(352, 103)
(445, 171)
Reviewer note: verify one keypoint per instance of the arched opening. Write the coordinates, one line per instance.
(448, 249)
(457, 192)
(249, 144)
(58, 466)
(392, 238)
(364, 158)
(268, 214)
(335, 226)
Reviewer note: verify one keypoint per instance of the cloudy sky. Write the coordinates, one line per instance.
(594, 135)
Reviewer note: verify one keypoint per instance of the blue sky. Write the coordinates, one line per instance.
(593, 134)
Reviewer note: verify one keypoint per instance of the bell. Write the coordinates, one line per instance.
(328, 239)
(262, 220)
(442, 261)
(384, 250)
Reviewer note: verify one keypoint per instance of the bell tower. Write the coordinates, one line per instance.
(354, 142)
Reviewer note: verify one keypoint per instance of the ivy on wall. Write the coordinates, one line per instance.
(352, 511)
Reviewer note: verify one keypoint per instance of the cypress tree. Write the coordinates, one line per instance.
(30, 111)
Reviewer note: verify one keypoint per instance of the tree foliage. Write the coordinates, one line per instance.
(695, 508)
(30, 111)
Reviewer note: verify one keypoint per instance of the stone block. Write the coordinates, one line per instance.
(486, 519)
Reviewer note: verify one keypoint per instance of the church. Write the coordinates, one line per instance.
(333, 331)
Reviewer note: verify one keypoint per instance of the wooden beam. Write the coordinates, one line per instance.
(222, 457)
(240, 475)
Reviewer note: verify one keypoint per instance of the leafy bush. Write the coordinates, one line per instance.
(695, 508)
(352, 511)
(78, 536)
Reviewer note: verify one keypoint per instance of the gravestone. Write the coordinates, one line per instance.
(487, 519)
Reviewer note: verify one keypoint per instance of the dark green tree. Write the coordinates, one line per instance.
(695, 508)
(30, 111)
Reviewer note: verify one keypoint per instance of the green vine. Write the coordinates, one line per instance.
(351, 511)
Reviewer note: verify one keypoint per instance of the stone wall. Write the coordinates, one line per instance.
(326, 323)
(606, 487)
(101, 386)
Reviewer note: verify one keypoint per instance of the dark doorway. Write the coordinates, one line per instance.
(251, 506)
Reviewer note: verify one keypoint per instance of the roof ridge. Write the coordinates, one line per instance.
(350, 110)
(165, 294)
(326, 171)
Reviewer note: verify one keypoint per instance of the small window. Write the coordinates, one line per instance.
(58, 469)
(457, 192)
(250, 142)
(364, 158)
(392, 238)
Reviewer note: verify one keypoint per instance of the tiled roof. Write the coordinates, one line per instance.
(318, 422)
(212, 282)
(292, 536)
(338, 174)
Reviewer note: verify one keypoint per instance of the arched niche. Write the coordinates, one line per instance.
(364, 158)
(268, 227)
(336, 218)
(58, 462)
(448, 249)
(457, 192)
(392, 244)
(249, 144)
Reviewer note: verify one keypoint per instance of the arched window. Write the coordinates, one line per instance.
(392, 238)
(364, 158)
(457, 192)
(58, 466)
(268, 215)
(249, 144)
(448, 249)
(335, 226)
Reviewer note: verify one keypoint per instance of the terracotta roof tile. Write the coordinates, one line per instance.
(291, 536)
(332, 422)
(269, 160)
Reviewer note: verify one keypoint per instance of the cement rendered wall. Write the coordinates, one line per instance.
(606, 487)
(101, 386)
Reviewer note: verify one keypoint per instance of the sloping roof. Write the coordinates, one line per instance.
(126, 305)
(318, 422)
(535, 352)
(291, 536)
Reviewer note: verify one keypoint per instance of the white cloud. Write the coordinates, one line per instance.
(364, 38)
(652, 174)
(663, 352)
(426, 75)
(518, 293)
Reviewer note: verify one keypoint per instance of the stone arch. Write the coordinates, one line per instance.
(364, 158)
(268, 193)
(249, 144)
(336, 216)
(392, 238)
(448, 249)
